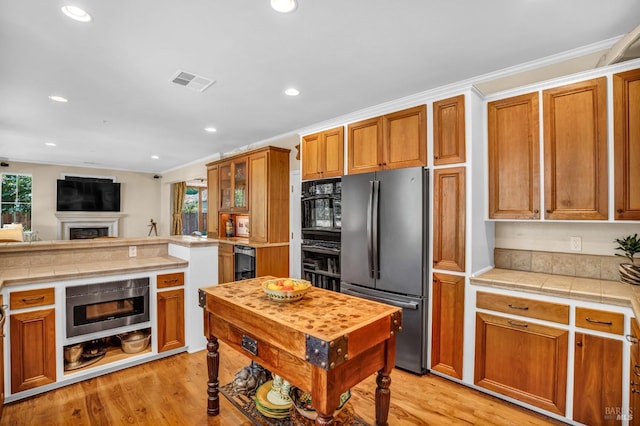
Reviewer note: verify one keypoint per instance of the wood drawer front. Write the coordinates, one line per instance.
(594, 319)
(524, 307)
(31, 298)
(170, 280)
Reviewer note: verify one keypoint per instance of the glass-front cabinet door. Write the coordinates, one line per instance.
(233, 185)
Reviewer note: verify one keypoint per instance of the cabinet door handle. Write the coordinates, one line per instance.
(522, 308)
(636, 370)
(631, 339)
(175, 280)
(518, 324)
(598, 322)
(32, 299)
(619, 211)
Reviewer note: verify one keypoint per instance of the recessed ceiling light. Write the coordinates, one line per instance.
(292, 92)
(210, 129)
(50, 143)
(58, 98)
(76, 13)
(284, 6)
(155, 157)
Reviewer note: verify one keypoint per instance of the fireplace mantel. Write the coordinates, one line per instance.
(68, 220)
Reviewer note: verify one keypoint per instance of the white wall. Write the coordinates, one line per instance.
(140, 197)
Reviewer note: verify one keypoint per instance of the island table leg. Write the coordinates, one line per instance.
(213, 366)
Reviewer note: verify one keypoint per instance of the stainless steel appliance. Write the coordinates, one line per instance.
(102, 306)
(244, 262)
(384, 251)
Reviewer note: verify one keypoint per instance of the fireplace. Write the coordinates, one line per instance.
(82, 225)
(88, 233)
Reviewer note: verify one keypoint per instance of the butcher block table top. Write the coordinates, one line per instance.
(325, 343)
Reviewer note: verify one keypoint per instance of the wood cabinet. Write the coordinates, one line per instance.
(390, 141)
(33, 349)
(225, 263)
(514, 158)
(323, 154)
(634, 373)
(253, 184)
(447, 330)
(449, 219)
(522, 360)
(213, 203)
(3, 319)
(525, 307)
(170, 327)
(626, 124)
(575, 151)
(273, 260)
(597, 379)
(233, 185)
(269, 196)
(449, 131)
(599, 320)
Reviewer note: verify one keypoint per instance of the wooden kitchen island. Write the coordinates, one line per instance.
(325, 343)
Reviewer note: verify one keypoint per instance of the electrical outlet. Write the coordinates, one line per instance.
(575, 243)
(133, 251)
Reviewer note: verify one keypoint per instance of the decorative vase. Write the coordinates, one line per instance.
(629, 273)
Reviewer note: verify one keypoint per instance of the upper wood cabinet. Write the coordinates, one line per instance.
(323, 154)
(575, 151)
(626, 124)
(449, 131)
(449, 219)
(390, 141)
(213, 203)
(233, 185)
(253, 184)
(514, 158)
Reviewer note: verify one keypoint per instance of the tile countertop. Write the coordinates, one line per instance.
(50, 273)
(587, 289)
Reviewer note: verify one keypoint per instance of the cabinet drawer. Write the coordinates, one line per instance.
(170, 280)
(524, 307)
(225, 248)
(593, 319)
(31, 298)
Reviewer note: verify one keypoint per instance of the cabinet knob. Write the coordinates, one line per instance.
(548, 211)
(436, 157)
(579, 344)
(619, 211)
(536, 211)
(631, 339)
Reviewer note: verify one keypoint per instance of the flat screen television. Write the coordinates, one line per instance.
(84, 195)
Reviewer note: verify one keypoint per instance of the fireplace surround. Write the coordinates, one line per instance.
(89, 221)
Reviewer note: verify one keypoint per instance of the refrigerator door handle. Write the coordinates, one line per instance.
(406, 305)
(369, 237)
(374, 225)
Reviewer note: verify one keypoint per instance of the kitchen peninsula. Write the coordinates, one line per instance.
(50, 288)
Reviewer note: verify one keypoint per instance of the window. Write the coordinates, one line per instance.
(15, 199)
(194, 211)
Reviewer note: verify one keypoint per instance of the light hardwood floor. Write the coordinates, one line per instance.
(172, 391)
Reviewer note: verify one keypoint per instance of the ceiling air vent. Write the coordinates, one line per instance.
(192, 81)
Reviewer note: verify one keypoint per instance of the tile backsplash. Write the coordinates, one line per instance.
(575, 265)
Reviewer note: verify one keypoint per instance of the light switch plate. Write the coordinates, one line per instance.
(575, 243)
(133, 251)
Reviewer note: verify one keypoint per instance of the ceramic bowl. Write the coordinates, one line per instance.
(299, 288)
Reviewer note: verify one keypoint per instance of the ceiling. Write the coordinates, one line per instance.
(342, 55)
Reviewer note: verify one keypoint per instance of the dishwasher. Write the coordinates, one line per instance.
(244, 262)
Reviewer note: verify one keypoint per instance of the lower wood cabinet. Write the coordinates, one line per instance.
(3, 318)
(33, 349)
(634, 374)
(170, 330)
(597, 380)
(523, 360)
(447, 329)
(225, 263)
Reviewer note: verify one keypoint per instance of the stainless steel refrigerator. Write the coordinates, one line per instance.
(384, 251)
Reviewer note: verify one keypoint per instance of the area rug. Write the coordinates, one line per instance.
(248, 407)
